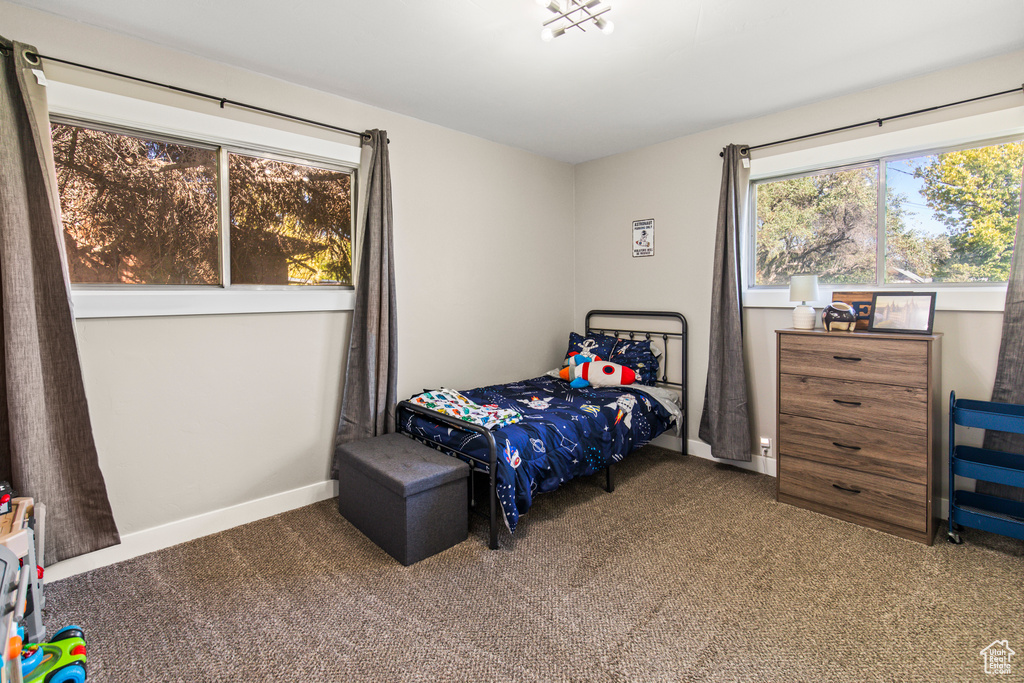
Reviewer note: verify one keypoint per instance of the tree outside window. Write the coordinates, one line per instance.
(143, 211)
(949, 217)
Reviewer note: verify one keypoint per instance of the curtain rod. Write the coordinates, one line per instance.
(878, 122)
(221, 100)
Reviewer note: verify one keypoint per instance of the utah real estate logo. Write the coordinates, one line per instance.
(997, 657)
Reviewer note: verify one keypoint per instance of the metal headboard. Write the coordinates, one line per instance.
(627, 333)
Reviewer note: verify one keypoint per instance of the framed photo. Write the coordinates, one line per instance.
(908, 312)
(861, 302)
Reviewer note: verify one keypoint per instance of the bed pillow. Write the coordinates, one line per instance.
(638, 355)
(599, 345)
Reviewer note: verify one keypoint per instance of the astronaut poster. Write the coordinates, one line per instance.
(643, 237)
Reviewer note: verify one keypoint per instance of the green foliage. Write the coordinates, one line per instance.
(976, 194)
(826, 223)
(822, 224)
(910, 255)
(140, 211)
(136, 211)
(296, 229)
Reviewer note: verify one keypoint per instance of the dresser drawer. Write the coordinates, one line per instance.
(887, 361)
(867, 495)
(881, 406)
(886, 454)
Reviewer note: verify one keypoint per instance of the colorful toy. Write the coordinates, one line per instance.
(6, 495)
(597, 373)
(512, 454)
(578, 358)
(62, 660)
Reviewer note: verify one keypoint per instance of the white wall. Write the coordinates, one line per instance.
(196, 414)
(677, 183)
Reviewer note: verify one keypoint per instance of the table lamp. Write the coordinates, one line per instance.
(803, 288)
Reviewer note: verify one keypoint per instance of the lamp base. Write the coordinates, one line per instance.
(803, 317)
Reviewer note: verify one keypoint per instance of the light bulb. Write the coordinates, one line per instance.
(547, 35)
(603, 24)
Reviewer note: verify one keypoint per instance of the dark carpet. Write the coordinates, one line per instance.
(689, 571)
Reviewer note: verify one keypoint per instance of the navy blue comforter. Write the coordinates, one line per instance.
(565, 433)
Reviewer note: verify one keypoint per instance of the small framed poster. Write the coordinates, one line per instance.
(643, 237)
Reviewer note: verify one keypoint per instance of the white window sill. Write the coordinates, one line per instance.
(948, 298)
(95, 302)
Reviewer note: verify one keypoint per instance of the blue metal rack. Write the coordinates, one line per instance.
(976, 510)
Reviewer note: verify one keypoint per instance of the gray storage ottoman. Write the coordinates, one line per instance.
(407, 498)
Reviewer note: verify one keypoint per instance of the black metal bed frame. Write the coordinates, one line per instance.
(488, 466)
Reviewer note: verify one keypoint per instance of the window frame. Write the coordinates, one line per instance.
(76, 105)
(964, 133)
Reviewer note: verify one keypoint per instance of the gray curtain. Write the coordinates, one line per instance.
(46, 437)
(371, 374)
(725, 423)
(1009, 384)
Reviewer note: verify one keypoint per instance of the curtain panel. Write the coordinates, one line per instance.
(46, 442)
(725, 422)
(371, 372)
(1009, 384)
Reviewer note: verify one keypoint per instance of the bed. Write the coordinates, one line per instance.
(566, 432)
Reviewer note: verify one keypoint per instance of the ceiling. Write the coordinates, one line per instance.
(671, 67)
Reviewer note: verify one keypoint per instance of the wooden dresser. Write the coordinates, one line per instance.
(858, 421)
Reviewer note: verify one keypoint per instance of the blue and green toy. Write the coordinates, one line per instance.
(61, 660)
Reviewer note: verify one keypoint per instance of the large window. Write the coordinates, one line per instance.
(940, 217)
(143, 210)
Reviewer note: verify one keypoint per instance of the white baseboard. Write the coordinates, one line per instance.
(180, 531)
(757, 463)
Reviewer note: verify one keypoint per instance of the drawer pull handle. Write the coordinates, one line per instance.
(847, 403)
(843, 488)
(852, 359)
(841, 445)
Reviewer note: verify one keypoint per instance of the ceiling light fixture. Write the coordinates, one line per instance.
(574, 14)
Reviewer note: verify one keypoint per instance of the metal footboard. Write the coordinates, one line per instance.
(489, 465)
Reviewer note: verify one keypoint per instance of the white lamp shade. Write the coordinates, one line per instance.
(803, 288)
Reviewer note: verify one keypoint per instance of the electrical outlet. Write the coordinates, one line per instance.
(766, 447)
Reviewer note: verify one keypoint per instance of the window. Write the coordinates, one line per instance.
(290, 223)
(136, 211)
(144, 210)
(939, 217)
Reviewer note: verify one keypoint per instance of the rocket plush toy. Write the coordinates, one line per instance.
(597, 373)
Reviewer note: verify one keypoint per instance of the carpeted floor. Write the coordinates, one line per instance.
(690, 571)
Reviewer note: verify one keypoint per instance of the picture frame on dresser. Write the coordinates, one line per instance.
(902, 312)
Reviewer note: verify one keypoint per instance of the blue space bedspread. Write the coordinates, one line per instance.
(565, 433)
